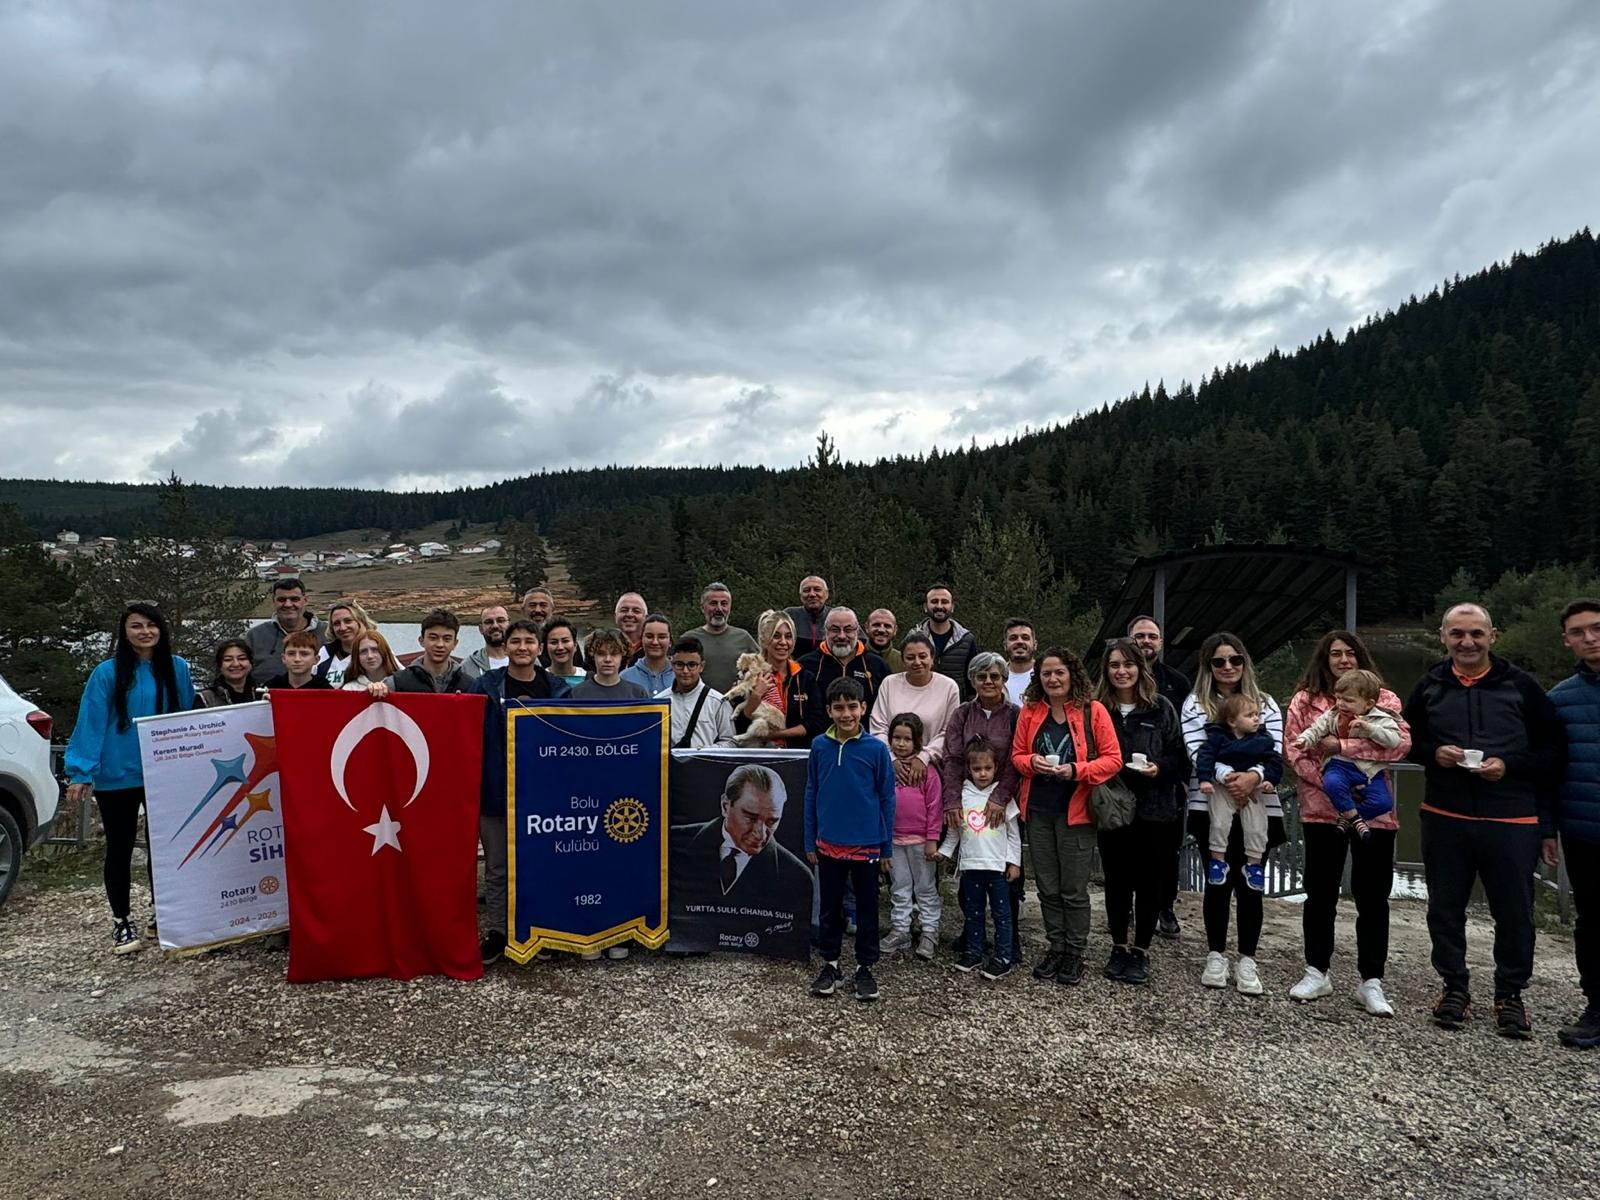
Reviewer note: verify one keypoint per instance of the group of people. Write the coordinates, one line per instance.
(927, 748)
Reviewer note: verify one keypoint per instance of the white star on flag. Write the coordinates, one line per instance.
(385, 831)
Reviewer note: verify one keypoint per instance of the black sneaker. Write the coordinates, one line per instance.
(1167, 924)
(866, 985)
(1071, 970)
(123, 939)
(1584, 1033)
(1511, 1017)
(1453, 1010)
(968, 961)
(1117, 964)
(492, 947)
(997, 968)
(827, 979)
(1137, 969)
(1048, 965)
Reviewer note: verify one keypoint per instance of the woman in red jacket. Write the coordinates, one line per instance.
(1061, 761)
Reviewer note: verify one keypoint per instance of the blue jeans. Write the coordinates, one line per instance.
(1340, 779)
(980, 888)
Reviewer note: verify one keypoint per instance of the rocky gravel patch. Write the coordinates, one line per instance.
(213, 1077)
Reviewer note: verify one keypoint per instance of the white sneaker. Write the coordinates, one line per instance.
(617, 952)
(1245, 977)
(1216, 972)
(1370, 996)
(1313, 986)
(592, 955)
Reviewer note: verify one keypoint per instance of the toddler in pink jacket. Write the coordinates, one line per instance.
(918, 822)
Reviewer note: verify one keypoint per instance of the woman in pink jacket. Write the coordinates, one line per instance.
(1327, 841)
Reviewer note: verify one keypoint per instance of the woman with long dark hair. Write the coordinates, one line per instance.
(230, 682)
(141, 678)
(1225, 670)
(1327, 842)
(1137, 859)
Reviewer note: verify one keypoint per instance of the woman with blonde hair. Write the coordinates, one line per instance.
(1224, 671)
(346, 619)
(790, 684)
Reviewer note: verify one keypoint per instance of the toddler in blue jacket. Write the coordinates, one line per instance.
(1237, 743)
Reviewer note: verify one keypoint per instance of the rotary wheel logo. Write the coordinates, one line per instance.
(268, 885)
(626, 820)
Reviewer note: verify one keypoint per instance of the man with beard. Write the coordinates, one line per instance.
(721, 642)
(842, 656)
(953, 643)
(492, 624)
(1021, 642)
(881, 628)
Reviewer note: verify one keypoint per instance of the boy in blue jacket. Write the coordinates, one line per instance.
(849, 833)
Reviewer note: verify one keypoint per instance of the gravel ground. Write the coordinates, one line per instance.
(212, 1077)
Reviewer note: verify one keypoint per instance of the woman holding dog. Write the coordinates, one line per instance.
(775, 633)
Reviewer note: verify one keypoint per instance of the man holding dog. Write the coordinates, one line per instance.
(722, 643)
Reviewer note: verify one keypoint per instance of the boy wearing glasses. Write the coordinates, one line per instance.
(1237, 743)
(699, 717)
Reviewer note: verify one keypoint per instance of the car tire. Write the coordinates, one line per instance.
(10, 852)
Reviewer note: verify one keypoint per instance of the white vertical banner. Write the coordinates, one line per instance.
(216, 832)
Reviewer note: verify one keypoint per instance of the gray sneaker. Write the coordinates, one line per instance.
(926, 947)
(897, 941)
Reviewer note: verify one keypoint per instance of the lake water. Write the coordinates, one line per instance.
(404, 637)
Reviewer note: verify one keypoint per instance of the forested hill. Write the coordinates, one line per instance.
(1461, 430)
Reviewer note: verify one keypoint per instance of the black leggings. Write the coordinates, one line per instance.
(119, 813)
(1137, 862)
(1234, 891)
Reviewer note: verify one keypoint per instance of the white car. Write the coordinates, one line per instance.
(29, 792)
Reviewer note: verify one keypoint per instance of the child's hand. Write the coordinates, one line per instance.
(1360, 726)
(930, 852)
(1206, 789)
(812, 858)
(885, 868)
(1013, 873)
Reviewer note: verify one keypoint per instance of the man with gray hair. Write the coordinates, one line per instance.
(1490, 743)
(843, 655)
(722, 643)
(809, 615)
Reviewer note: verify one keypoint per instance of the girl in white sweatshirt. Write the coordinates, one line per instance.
(991, 856)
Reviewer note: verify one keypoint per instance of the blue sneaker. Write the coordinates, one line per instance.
(1216, 872)
(1255, 877)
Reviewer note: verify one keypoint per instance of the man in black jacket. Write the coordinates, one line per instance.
(1175, 686)
(1488, 738)
(953, 643)
(842, 656)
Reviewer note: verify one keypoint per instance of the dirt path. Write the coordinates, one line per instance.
(212, 1077)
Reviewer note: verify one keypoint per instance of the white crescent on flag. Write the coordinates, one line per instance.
(378, 715)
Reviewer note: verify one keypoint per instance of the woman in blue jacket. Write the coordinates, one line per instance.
(142, 677)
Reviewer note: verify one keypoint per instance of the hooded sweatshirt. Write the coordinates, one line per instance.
(983, 847)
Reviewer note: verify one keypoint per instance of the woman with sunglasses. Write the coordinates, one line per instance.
(1327, 842)
(141, 678)
(1225, 670)
(989, 715)
(1137, 859)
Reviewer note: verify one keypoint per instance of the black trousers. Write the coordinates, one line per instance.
(1137, 861)
(1371, 881)
(1583, 867)
(119, 813)
(832, 875)
(1174, 852)
(1233, 893)
(1455, 854)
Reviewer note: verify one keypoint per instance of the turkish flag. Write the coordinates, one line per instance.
(380, 831)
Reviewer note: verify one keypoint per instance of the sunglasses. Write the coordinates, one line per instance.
(1229, 660)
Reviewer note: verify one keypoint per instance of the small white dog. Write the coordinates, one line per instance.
(755, 678)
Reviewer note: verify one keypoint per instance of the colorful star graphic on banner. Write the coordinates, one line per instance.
(258, 802)
(264, 762)
(229, 770)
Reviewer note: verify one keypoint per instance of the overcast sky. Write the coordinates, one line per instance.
(418, 244)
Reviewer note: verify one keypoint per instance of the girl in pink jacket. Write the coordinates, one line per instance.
(918, 822)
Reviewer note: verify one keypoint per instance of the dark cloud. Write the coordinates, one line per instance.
(232, 234)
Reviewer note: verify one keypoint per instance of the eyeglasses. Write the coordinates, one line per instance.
(687, 666)
(1230, 660)
(983, 676)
